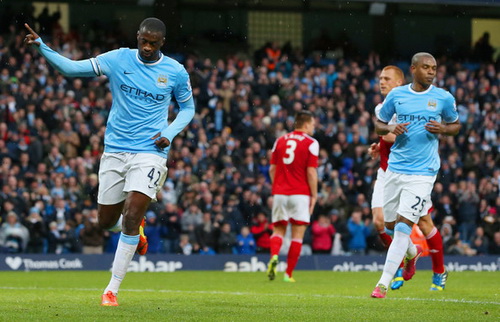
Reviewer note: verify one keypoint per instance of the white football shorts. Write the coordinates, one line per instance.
(120, 173)
(407, 195)
(378, 190)
(293, 209)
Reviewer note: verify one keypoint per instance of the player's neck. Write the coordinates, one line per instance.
(302, 131)
(417, 87)
(158, 56)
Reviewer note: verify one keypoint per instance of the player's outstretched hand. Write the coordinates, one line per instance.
(400, 128)
(374, 150)
(435, 127)
(161, 142)
(31, 37)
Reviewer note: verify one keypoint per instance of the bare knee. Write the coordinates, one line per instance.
(390, 225)
(134, 209)
(426, 225)
(131, 221)
(405, 221)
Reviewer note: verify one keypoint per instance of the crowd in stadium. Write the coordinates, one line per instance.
(217, 197)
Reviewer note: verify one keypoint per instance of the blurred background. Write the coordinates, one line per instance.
(252, 65)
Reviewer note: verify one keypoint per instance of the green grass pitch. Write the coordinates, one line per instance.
(219, 296)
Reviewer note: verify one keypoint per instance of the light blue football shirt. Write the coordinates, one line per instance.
(416, 152)
(141, 96)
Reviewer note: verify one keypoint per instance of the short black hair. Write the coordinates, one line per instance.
(415, 60)
(153, 25)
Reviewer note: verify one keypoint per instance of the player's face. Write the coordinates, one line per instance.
(388, 80)
(424, 71)
(310, 126)
(149, 44)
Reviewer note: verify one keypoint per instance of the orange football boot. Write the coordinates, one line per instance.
(142, 247)
(109, 299)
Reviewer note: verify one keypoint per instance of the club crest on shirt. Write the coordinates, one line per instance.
(161, 81)
(432, 105)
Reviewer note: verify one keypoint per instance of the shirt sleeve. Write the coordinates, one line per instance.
(105, 63)
(182, 89)
(314, 153)
(67, 67)
(388, 109)
(273, 154)
(450, 113)
(184, 97)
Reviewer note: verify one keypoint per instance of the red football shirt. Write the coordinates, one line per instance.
(385, 149)
(292, 154)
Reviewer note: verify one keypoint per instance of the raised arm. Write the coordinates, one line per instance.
(67, 67)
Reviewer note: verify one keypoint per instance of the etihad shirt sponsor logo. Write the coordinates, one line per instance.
(402, 118)
(141, 94)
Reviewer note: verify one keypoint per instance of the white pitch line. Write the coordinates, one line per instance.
(251, 294)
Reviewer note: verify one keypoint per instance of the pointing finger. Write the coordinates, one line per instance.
(35, 35)
(29, 28)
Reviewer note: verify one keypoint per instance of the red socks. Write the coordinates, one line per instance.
(386, 239)
(435, 243)
(293, 256)
(276, 241)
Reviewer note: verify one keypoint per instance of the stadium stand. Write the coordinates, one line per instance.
(52, 129)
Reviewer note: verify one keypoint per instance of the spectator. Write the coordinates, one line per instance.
(153, 232)
(494, 248)
(70, 140)
(171, 228)
(185, 247)
(36, 227)
(54, 239)
(479, 242)
(468, 210)
(262, 230)
(483, 51)
(191, 218)
(448, 238)
(233, 215)
(206, 235)
(342, 235)
(359, 233)
(69, 239)
(14, 237)
(322, 235)
(226, 243)
(92, 235)
(246, 243)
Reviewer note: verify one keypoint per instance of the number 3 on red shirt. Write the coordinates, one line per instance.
(290, 151)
